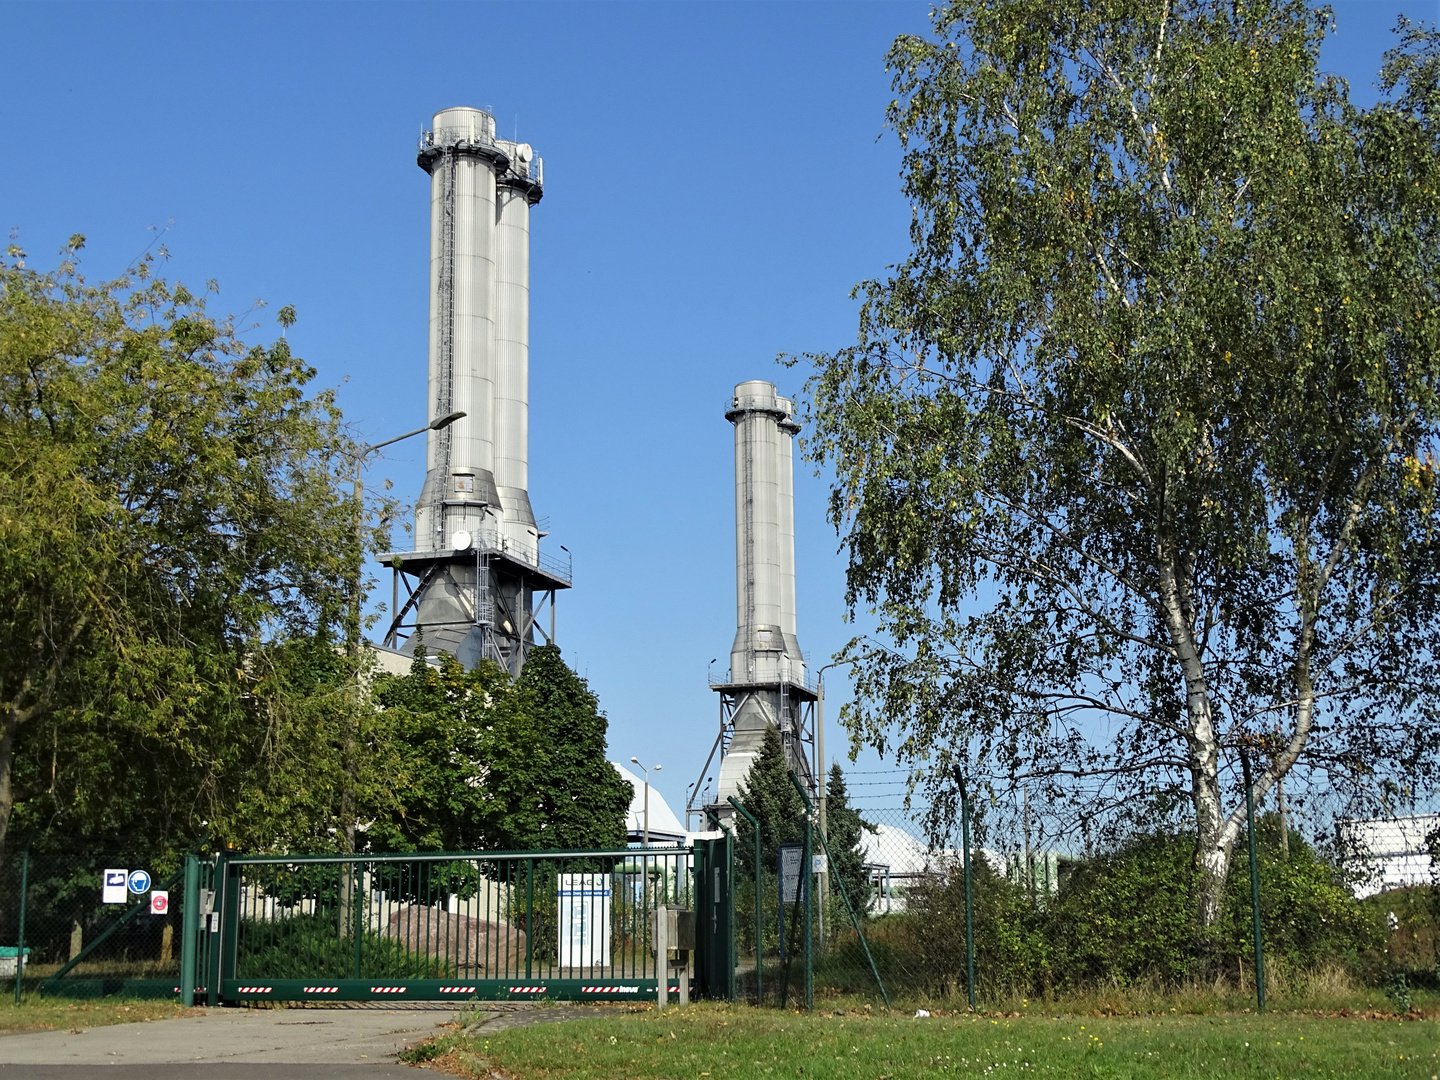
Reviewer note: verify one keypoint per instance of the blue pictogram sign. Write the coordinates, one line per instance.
(139, 882)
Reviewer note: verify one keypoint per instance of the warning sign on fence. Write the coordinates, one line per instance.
(159, 902)
(112, 888)
(792, 858)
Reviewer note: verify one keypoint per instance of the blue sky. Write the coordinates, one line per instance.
(716, 182)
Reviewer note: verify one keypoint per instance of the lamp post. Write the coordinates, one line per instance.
(820, 775)
(646, 772)
(352, 630)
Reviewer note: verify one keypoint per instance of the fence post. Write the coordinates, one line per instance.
(969, 909)
(530, 912)
(20, 949)
(230, 924)
(1254, 886)
(190, 920)
(214, 936)
(357, 875)
(807, 872)
(854, 918)
(731, 950)
(759, 920)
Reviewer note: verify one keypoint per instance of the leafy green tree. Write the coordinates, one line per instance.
(844, 828)
(1134, 456)
(463, 760)
(171, 512)
(477, 762)
(582, 799)
(771, 797)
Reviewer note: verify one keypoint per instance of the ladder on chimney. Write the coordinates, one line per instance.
(444, 400)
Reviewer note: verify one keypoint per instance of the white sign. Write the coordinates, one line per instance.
(159, 902)
(138, 882)
(819, 864)
(584, 920)
(112, 888)
(792, 857)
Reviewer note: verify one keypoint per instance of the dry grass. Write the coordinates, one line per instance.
(1330, 989)
(35, 1013)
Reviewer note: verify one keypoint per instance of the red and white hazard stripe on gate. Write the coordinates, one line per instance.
(252, 989)
(322, 989)
(610, 989)
(527, 989)
(388, 989)
(457, 989)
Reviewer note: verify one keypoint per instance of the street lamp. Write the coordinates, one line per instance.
(357, 494)
(352, 631)
(820, 753)
(647, 772)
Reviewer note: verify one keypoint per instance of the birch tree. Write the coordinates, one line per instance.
(1133, 455)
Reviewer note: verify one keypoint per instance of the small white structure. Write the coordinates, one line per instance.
(1387, 853)
(896, 860)
(584, 920)
(665, 827)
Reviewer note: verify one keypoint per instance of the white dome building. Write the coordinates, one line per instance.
(665, 827)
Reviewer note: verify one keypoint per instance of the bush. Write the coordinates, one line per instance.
(310, 947)
(1127, 917)
(1012, 953)
(1309, 917)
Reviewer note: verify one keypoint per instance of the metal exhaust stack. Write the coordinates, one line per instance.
(768, 684)
(477, 572)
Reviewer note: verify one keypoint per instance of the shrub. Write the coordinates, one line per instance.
(1125, 917)
(309, 946)
(1129, 915)
(1012, 954)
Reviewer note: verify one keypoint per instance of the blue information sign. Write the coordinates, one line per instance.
(139, 882)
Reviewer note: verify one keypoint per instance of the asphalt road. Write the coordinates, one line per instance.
(229, 1044)
(358, 1042)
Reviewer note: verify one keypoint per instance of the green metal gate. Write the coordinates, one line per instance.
(573, 925)
(715, 917)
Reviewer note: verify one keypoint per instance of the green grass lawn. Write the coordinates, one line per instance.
(738, 1041)
(37, 1013)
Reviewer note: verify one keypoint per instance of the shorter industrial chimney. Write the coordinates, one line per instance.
(767, 685)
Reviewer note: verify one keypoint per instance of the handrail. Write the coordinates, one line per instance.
(806, 679)
(493, 542)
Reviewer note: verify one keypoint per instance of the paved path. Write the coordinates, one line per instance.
(229, 1044)
(358, 1042)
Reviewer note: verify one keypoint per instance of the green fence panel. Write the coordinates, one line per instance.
(444, 926)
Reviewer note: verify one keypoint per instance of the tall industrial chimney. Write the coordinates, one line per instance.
(767, 684)
(477, 571)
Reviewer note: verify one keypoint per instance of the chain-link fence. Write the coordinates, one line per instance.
(66, 934)
(1352, 903)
